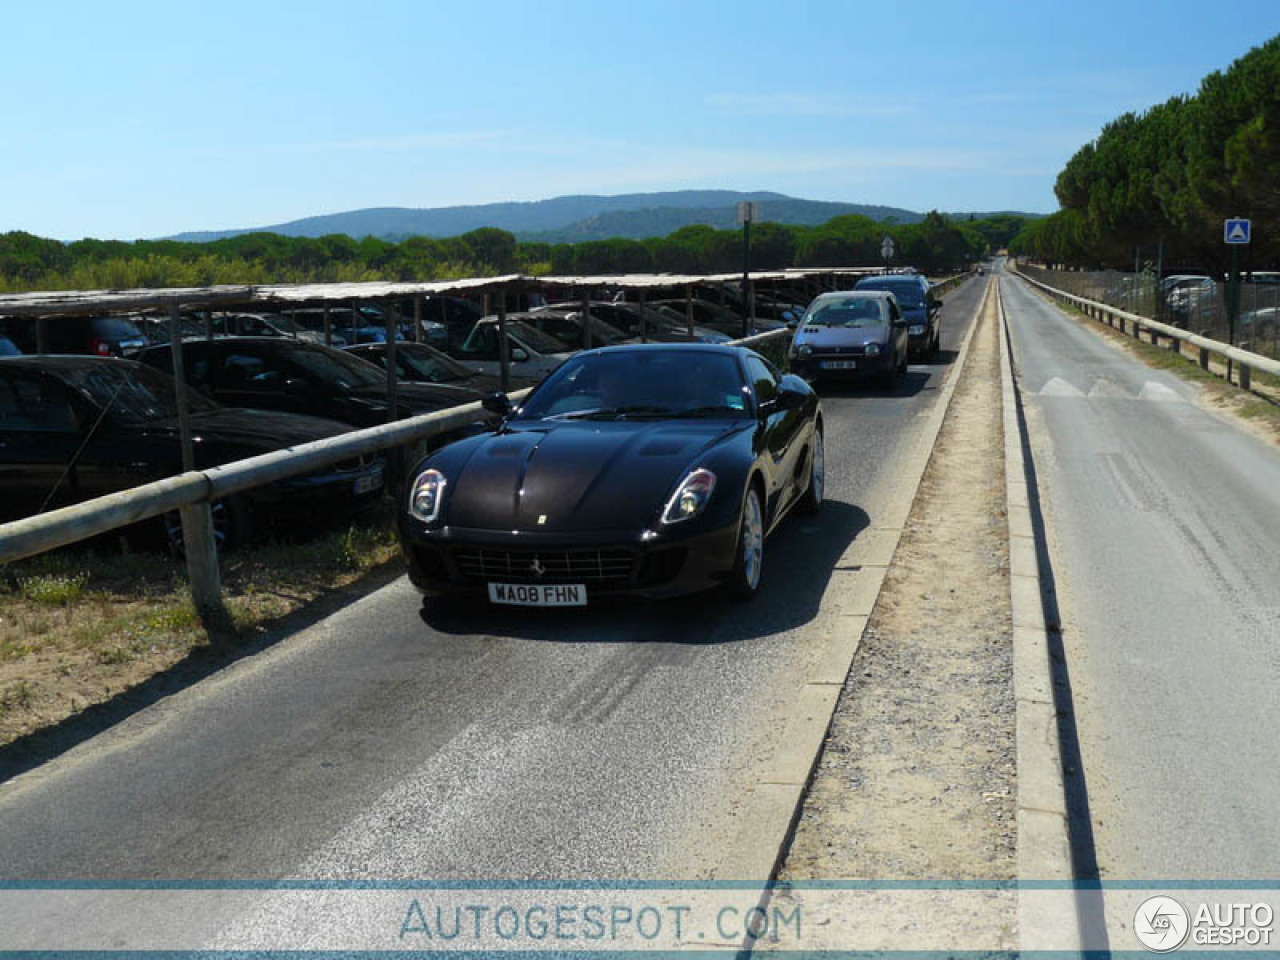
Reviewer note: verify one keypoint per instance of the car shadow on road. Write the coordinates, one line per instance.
(799, 559)
(909, 384)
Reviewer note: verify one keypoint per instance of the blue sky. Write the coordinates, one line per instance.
(135, 119)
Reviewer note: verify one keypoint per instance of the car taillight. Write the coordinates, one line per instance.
(100, 347)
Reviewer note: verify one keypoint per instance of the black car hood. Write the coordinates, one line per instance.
(821, 338)
(577, 476)
(251, 429)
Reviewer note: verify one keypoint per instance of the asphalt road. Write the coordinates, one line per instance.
(1164, 523)
(474, 742)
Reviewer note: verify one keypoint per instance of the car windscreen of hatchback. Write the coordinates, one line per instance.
(845, 312)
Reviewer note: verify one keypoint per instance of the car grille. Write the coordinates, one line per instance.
(839, 351)
(601, 567)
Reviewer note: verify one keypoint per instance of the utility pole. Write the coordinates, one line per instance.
(1236, 232)
(746, 213)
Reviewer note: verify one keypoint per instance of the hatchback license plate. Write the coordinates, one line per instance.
(539, 594)
(839, 365)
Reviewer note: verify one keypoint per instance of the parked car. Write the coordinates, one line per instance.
(264, 325)
(8, 348)
(348, 327)
(425, 364)
(531, 352)
(646, 469)
(853, 334)
(95, 336)
(298, 377)
(74, 428)
(718, 318)
(921, 309)
(661, 324)
(567, 327)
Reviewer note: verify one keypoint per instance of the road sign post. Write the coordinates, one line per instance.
(886, 250)
(747, 212)
(1236, 232)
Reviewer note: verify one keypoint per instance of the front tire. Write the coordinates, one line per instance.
(748, 561)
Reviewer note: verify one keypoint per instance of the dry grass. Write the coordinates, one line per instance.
(78, 627)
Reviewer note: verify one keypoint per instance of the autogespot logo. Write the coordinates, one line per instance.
(1161, 924)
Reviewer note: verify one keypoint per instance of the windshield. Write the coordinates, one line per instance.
(641, 384)
(134, 393)
(333, 366)
(541, 342)
(845, 312)
(426, 364)
(909, 295)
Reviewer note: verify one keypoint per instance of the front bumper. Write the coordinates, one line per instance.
(455, 561)
(353, 483)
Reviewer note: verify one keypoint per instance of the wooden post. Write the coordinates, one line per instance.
(1246, 376)
(42, 335)
(504, 348)
(586, 327)
(417, 319)
(585, 305)
(644, 338)
(199, 542)
(208, 324)
(688, 308)
(328, 328)
(355, 322)
(389, 320)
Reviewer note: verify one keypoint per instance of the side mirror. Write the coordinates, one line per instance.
(297, 388)
(790, 319)
(935, 304)
(497, 403)
(519, 355)
(784, 401)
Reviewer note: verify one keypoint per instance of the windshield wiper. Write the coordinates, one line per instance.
(715, 410)
(615, 413)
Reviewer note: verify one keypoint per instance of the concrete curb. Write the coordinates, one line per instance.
(770, 816)
(1044, 847)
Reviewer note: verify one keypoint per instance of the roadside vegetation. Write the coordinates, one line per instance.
(80, 626)
(935, 245)
(1174, 173)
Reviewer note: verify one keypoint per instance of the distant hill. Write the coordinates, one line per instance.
(635, 215)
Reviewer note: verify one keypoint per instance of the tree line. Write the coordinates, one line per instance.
(1174, 173)
(935, 245)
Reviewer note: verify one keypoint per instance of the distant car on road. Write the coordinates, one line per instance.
(646, 469)
(75, 428)
(920, 308)
(426, 364)
(297, 377)
(851, 335)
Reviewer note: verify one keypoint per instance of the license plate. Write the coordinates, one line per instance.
(839, 365)
(366, 484)
(539, 594)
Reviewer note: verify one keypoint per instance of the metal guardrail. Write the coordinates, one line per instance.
(1245, 360)
(194, 492)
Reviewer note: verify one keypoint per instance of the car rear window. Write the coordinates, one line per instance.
(908, 292)
(117, 327)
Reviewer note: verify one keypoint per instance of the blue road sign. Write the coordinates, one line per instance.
(1235, 231)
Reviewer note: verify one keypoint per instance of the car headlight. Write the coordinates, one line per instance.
(916, 329)
(801, 350)
(691, 497)
(873, 349)
(427, 495)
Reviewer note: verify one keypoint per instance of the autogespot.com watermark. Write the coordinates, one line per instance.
(431, 924)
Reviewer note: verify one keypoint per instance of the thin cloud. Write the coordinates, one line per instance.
(803, 105)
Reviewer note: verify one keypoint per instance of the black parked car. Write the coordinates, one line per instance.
(920, 308)
(647, 469)
(300, 377)
(95, 336)
(74, 428)
(425, 364)
(854, 334)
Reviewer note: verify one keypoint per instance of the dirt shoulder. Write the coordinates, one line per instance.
(82, 627)
(916, 779)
